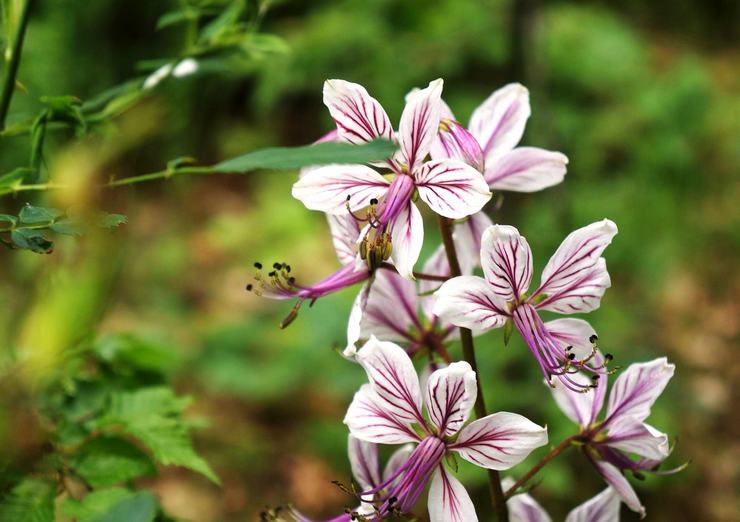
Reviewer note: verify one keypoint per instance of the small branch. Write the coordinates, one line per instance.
(557, 450)
(417, 275)
(162, 174)
(466, 339)
(15, 60)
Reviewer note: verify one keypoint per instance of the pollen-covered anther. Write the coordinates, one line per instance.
(375, 249)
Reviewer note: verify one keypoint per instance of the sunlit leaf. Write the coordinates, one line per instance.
(112, 505)
(30, 239)
(31, 215)
(30, 501)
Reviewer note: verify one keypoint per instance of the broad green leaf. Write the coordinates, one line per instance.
(111, 220)
(32, 240)
(30, 501)
(136, 352)
(6, 218)
(68, 227)
(176, 17)
(105, 461)
(112, 505)
(14, 176)
(286, 158)
(31, 215)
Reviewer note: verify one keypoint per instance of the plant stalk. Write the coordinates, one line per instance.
(468, 349)
(557, 450)
(15, 60)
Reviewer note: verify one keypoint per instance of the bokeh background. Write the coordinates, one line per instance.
(641, 96)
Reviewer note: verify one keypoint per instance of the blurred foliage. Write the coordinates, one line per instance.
(642, 97)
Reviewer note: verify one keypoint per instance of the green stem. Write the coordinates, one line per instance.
(15, 60)
(468, 349)
(557, 450)
(162, 174)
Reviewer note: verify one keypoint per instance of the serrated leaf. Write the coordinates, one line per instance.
(32, 240)
(137, 352)
(286, 158)
(68, 227)
(105, 461)
(31, 215)
(30, 501)
(112, 505)
(111, 220)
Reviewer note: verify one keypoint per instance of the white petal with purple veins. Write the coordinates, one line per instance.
(498, 124)
(523, 507)
(615, 479)
(633, 436)
(451, 188)
(327, 188)
(407, 237)
(604, 507)
(579, 407)
(363, 459)
(637, 388)
(467, 238)
(448, 499)
(572, 332)
(507, 261)
(368, 419)
(469, 301)
(419, 124)
(345, 231)
(392, 308)
(450, 395)
(359, 116)
(526, 169)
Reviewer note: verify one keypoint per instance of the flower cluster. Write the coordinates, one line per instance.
(400, 315)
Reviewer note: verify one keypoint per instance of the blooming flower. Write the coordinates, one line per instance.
(388, 410)
(623, 431)
(489, 144)
(573, 280)
(604, 507)
(394, 229)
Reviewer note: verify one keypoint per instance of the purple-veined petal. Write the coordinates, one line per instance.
(393, 378)
(407, 237)
(470, 302)
(523, 507)
(419, 124)
(633, 436)
(507, 261)
(327, 188)
(392, 308)
(575, 277)
(345, 231)
(437, 264)
(499, 441)
(397, 459)
(572, 332)
(498, 124)
(580, 407)
(354, 323)
(444, 112)
(604, 507)
(448, 499)
(637, 388)
(359, 116)
(467, 237)
(451, 188)
(624, 489)
(363, 459)
(450, 395)
(368, 419)
(455, 142)
(526, 169)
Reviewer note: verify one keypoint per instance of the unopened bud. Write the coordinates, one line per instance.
(454, 141)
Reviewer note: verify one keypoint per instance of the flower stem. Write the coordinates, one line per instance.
(554, 452)
(466, 339)
(417, 275)
(14, 61)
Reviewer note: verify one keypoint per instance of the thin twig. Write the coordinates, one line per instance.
(15, 60)
(557, 450)
(417, 275)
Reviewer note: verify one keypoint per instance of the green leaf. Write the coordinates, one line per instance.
(154, 416)
(112, 505)
(139, 353)
(30, 501)
(111, 220)
(286, 158)
(31, 215)
(6, 218)
(508, 330)
(68, 227)
(15, 176)
(176, 17)
(32, 240)
(105, 461)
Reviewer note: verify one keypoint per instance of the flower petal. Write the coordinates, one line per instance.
(575, 277)
(359, 116)
(420, 123)
(572, 332)
(448, 500)
(407, 237)
(392, 308)
(438, 265)
(327, 188)
(455, 141)
(470, 302)
(526, 169)
(368, 419)
(523, 507)
(578, 406)
(345, 231)
(467, 237)
(624, 489)
(507, 261)
(633, 436)
(637, 388)
(363, 459)
(451, 188)
(397, 459)
(450, 395)
(354, 323)
(498, 124)
(499, 441)
(393, 378)
(604, 507)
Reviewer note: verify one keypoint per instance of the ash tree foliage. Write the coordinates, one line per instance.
(112, 417)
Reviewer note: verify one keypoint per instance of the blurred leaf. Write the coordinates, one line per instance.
(134, 351)
(6, 218)
(30, 501)
(112, 505)
(105, 461)
(31, 215)
(286, 158)
(14, 176)
(177, 17)
(68, 227)
(32, 240)
(111, 220)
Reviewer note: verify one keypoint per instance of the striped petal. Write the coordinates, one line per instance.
(470, 302)
(637, 388)
(575, 277)
(407, 237)
(626, 492)
(345, 231)
(578, 406)
(507, 261)
(392, 310)
(637, 437)
(526, 169)
(604, 507)
(448, 499)
(452, 188)
(328, 188)
(369, 419)
(523, 507)
(498, 124)
(499, 441)
(363, 459)
(359, 116)
(450, 395)
(419, 124)
(467, 238)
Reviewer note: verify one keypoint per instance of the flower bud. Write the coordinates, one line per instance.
(454, 141)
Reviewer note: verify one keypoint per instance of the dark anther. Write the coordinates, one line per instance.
(392, 501)
(348, 197)
(272, 274)
(277, 266)
(258, 265)
(593, 338)
(608, 356)
(569, 348)
(571, 356)
(249, 288)
(595, 377)
(291, 280)
(374, 201)
(287, 268)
